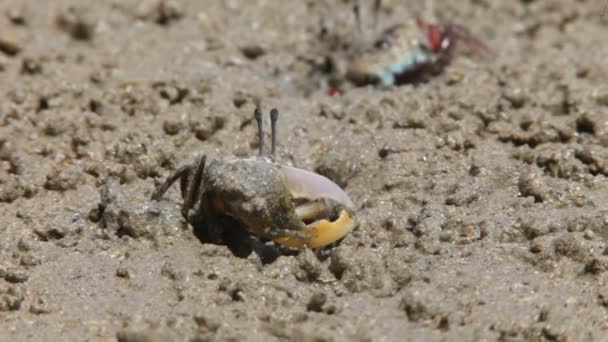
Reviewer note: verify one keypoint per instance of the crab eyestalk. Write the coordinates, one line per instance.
(258, 117)
(357, 13)
(274, 117)
(377, 5)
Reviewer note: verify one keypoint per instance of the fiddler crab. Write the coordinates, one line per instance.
(290, 206)
(409, 51)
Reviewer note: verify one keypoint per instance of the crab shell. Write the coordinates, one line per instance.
(400, 50)
(291, 206)
(308, 185)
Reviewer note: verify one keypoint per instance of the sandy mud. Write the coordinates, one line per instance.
(482, 193)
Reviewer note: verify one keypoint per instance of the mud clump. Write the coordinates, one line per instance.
(162, 12)
(316, 302)
(40, 305)
(115, 214)
(531, 184)
(11, 189)
(148, 333)
(9, 46)
(63, 179)
(11, 298)
(342, 158)
(64, 227)
(75, 22)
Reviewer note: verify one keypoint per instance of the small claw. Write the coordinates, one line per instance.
(433, 33)
(444, 38)
(333, 91)
(309, 211)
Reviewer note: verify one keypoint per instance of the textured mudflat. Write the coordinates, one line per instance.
(483, 193)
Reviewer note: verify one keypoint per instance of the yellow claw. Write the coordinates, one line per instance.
(322, 232)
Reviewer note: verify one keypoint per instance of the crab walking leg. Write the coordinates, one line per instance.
(455, 31)
(194, 185)
(323, 233)
(200, 200)
(179, 174)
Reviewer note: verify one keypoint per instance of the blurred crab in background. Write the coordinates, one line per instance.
(407, 52)
(291, 206)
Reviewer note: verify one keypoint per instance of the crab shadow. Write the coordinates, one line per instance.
(420, 75)
(240, 242)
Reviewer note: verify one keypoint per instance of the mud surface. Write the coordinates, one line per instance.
(482, 193)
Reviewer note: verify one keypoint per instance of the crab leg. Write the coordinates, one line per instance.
(179, 174)
(195, 183)
(454, 31)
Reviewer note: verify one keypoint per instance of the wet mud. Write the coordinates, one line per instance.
(482, 192)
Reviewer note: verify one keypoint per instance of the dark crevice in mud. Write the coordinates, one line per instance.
(595, 165)
(584, 125)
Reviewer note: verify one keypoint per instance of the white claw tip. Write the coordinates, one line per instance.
(306, 184)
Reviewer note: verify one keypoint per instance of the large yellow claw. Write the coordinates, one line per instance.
(322, 232)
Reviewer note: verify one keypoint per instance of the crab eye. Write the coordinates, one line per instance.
(382, 44)
(445, 43)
